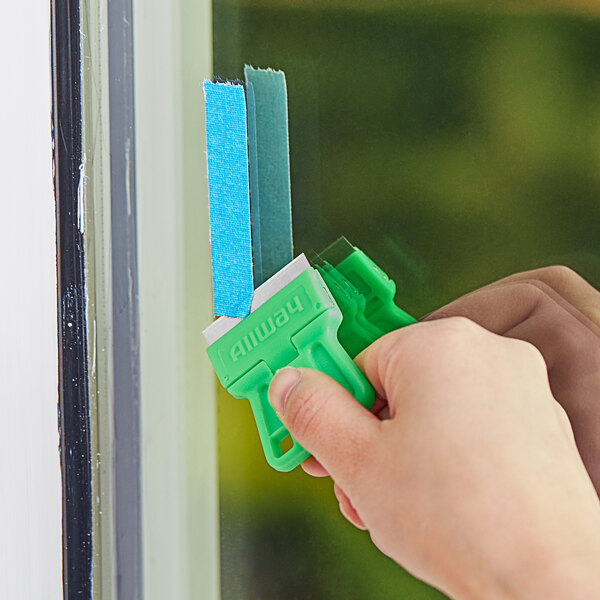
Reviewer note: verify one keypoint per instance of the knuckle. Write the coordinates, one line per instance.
(441, 341)
(532, 291)
(530, 353)
(527, 356)
(457, 330)
(560, 273)
(460, 325)
(563, 419)
(529, 296)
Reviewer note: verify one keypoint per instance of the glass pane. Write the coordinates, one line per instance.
(177, 404)
(143, 197)
(455, 144)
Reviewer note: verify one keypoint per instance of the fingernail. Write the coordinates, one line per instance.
(284, 381)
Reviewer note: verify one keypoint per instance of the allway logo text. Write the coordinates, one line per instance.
(265, 329)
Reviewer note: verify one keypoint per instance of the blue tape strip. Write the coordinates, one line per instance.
(269, 170)
(229, 200)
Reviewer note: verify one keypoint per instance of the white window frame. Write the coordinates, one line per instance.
(30, 519)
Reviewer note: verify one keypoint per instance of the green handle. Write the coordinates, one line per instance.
(318, 348)
(296, 327)
(309, 323)
(378, 290)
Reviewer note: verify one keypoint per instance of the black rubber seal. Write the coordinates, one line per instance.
(73, 395)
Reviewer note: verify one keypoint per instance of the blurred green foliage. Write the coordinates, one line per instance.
(454, 146)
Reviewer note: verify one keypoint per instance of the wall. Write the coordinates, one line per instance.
(30, 500)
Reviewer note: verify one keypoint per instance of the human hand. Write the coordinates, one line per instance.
(558, 312)
(473, 483)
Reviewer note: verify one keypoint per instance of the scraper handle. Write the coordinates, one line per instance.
(318, 348)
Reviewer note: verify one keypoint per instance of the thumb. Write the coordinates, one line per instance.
(323, 417)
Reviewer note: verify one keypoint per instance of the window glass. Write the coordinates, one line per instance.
(454, 144)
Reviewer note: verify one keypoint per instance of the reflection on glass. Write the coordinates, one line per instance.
(453, 145)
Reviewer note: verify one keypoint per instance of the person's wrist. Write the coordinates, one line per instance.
(558, 575)
(534, 573)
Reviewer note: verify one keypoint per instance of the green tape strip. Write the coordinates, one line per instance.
(269, 158)
(254, 189)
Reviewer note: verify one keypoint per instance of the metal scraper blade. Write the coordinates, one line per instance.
(261, 294)
(335, 253)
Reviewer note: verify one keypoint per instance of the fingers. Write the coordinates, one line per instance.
(347, 509)
(380, 408)
(324, 418)
(532, 311)
(561, 284)
(497, 308)
(527, 310)
(311, 466)
(568, 284)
